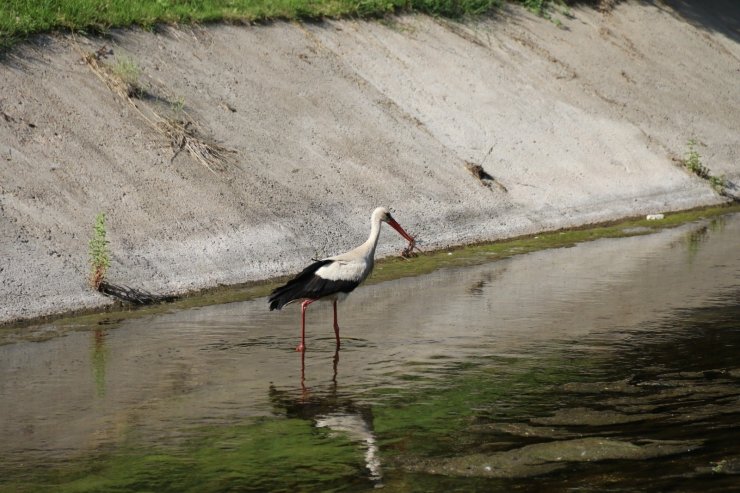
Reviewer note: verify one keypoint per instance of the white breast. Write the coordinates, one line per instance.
(345, 270)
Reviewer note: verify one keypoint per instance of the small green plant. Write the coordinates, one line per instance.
(128, 72)
(178, 105)
(719, 183)
(99, 257)
(692, 162)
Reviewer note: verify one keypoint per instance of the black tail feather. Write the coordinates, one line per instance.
(293, 289)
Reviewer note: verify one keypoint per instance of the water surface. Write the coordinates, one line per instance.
(609, 366)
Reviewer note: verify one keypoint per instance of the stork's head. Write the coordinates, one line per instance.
(382, 214)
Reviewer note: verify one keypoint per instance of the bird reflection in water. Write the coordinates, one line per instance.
(326, 407)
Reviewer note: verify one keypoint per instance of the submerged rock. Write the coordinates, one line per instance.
(620, 386)
(730, 465)
(583, 416)
(523, 430)
(542, 458)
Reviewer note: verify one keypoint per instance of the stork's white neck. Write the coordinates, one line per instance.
(367, 249)
(372, 240)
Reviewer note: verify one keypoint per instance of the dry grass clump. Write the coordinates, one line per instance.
(184, 136)
(483, 176)
(123, 79)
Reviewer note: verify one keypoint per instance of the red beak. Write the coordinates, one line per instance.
(400, 230)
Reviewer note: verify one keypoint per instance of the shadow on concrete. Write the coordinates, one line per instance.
(720, 16)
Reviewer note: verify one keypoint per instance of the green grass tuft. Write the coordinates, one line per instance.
(692, 162)
(99, 257)
(129, 72)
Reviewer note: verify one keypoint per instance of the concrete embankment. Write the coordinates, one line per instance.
(469, 132)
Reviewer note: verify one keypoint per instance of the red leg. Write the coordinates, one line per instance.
(304, 390)
(336, 325)
(302, 346)
(336, 367)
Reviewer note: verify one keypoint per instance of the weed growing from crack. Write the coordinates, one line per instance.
(99, 263)
(128, 73)
(692, 162)
(98, 249)
(178, 105)
(719, 183)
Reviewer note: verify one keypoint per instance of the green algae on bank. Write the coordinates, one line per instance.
(386, 269)
(394, 268)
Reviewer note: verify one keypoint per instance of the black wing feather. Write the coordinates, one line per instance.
(308, 285)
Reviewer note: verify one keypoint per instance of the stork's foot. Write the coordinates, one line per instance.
(300, 348)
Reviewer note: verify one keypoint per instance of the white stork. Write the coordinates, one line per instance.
(335, 277)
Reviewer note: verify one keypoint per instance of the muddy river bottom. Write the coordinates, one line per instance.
(613, 365)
